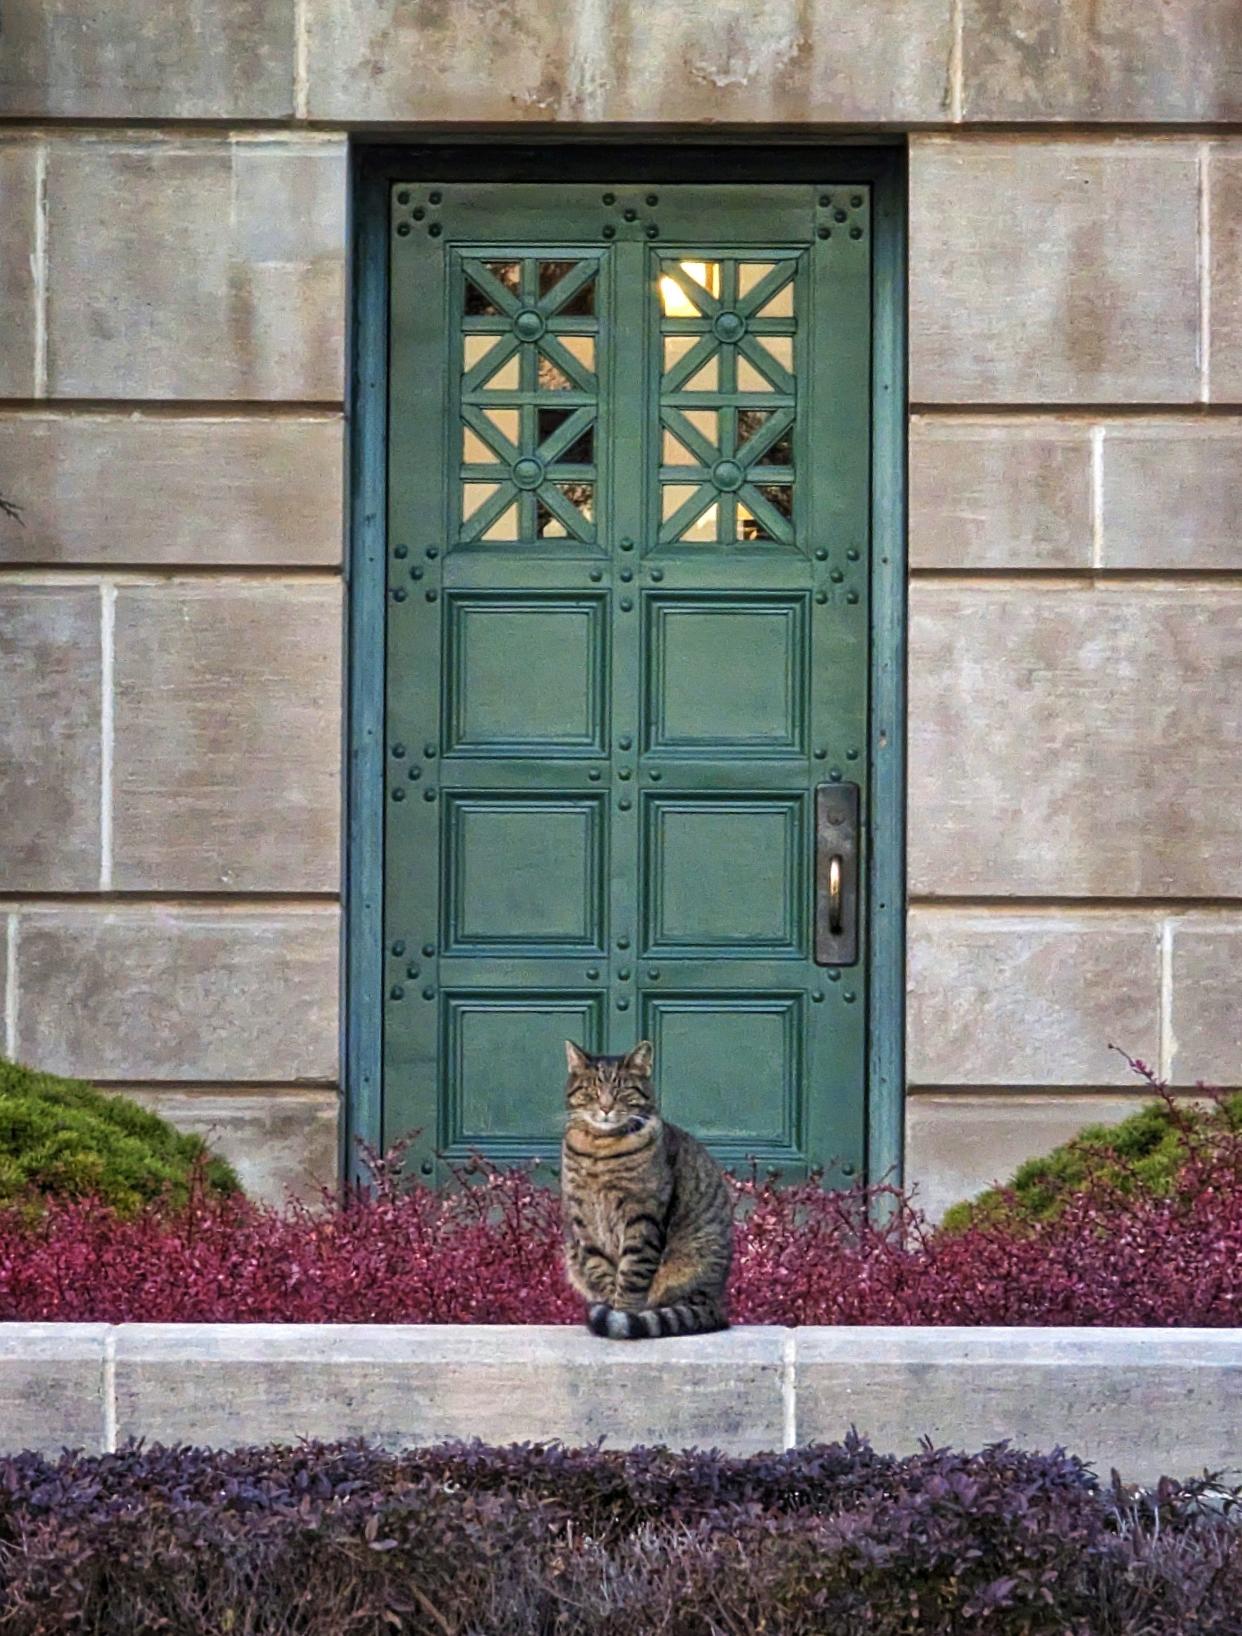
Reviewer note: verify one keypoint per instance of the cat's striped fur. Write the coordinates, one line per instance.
(648, 1217)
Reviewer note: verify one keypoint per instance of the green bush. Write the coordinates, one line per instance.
(64, 1137)
(1144, 1153)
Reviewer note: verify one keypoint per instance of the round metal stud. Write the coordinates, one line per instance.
(414, 774)
(625, 775)
(624, 974)
(627, 544)
(592, 974)
(398, 795)
(401, 551)
(656, 776)
(836, 576)
(835, 774)
(399, 594)
(418, 213)
(594, 775)
(818, 996)
(653, 973)
(851, 755)
(856, 200)
(432, 596)
(728, 475)
(820, 554)
(623, 1004)
(852, 554)
(429, 994)
(432, 552)
(626, 604)
(625, 803)
(824, 232)
(848, 995)
(404, 196)
(653, 232)
(821, 754)
(627, 574)
(428, 950)
(426, 1167)
(429, 794)
(403, 230)
(834, 976)
(856, 232)
(416, 572)
(851, 596)
(609, 231)
(595, 576)
(435, 197)
(413, 971)
(825, 199)
(435, 230)
(529, 325)
(398, 947)
(729, 326)
(657, 574)
(653, 200)
(624, 742)
(610, 198)
(838, 215)
(429, 750)
(631, 215)
(821, 596)
(527, 472)
(398, 750)
(396, 992)
(623, 942)
(847, 1170)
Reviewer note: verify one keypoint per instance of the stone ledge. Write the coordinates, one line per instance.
(1146, 1401)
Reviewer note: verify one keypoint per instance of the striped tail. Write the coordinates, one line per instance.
(697, 1315)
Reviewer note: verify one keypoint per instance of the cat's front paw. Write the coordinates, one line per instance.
(597, 1317)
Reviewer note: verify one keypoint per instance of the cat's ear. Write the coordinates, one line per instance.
(576, 1058)
(639, 1060)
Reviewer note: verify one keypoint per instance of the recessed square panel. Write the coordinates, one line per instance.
(729, 1066)
(503, 1058)
(726, 674)
(724, 875)
(526, 674)
(523, 874)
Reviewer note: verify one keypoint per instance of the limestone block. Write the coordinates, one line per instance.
(1147, 1401)
(1170, 495)
(1110, 61)
(999, 494)
(409, 1384)
(1034, 999)
(649, 61)
(1053, 272)
(143, 59)
(958, 1144)
(19, 205)
(280, 1143)
(52, 1387)
(1075, 742)
(150, 992)
(1225, 271)
(226, 768)
(1207, 1000)
(49, 737)
(207, 270)
(137, 489)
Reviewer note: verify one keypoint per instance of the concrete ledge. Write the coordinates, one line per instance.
(1147, 1401)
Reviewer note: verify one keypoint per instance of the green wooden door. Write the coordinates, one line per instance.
(628, 493)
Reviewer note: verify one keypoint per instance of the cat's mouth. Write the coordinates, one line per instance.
(617, 1124)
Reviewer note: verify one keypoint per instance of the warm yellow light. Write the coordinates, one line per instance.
(675, 301)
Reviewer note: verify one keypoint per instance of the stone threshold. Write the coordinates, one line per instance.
(1146, 1401)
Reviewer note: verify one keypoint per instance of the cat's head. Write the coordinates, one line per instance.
(610, 1094)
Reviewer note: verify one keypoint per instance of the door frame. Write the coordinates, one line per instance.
(684, 158)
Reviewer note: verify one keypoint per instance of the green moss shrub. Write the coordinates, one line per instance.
(1143, 1154)
(63, 1137)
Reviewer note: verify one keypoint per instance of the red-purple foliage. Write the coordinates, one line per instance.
(490, 1252)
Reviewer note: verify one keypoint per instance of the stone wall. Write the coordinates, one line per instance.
(171, 370)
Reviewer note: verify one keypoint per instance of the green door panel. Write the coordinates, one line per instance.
(626, 638)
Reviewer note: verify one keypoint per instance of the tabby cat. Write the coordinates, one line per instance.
(648, 1218)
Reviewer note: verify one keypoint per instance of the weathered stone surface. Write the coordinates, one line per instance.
(411, 1384)
(710, 61)
(1207, 1001)
(999, 494)
(1075, 741)
(1147, 1401)
(1053, 272)
(210, 270)
(1225, 269)
(19, 206)
(1170, 496)
(150, 489)
(155, 993)
(52, 1387)
(1008, 999)
(49, 738)
(226, 770)
(958, 1144)
(139, 59)
(1108, 60)
(279, 1142)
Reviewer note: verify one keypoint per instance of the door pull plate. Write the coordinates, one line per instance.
(836, 874)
